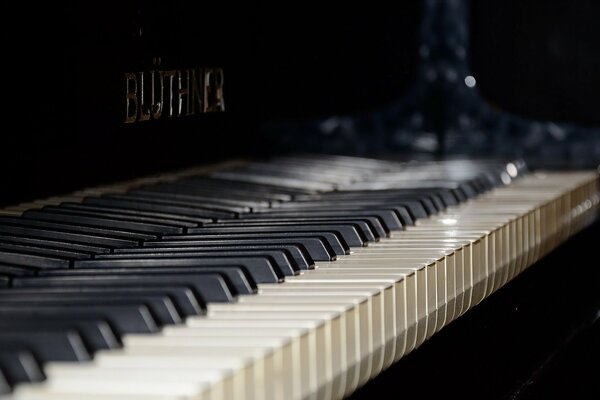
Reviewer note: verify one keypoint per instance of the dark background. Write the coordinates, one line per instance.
(64, 63)
(539, 58)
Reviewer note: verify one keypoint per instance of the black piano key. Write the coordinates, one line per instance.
(177, 190)
(47, 345)
(76, 238)
(4, 281)
(382, 221)
(296, 252)
(104, 214)
(440, 198)
(419, 208)
(133, 212)
(96, 334)
(346, 232)
(157, 198)
(363, 228)
(33, 260)
(240, 279)
(16, 270)
(316, 248)
(166, 200)
(186, 303)
(124, 318)
(335, 244)
(406, 212)
(131, 204)
(75, 228)
(44, 251)
(282, 193)
(280, 258)
(222, 203)
(161, 307)
(261, 268)
(55, 244)
(103, 223)
(4, 386)
(20, 366)
(217, 190)
(210, 287)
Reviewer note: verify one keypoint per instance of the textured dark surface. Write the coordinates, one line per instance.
(536, 338)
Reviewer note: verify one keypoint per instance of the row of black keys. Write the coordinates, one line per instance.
(79, 276)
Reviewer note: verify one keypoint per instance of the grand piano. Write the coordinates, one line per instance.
(213, 200)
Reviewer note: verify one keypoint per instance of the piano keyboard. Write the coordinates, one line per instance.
(298, 278)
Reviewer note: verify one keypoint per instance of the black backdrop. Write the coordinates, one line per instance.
(63, 66)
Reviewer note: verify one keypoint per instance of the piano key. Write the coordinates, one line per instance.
(100, 222)
(137, 204)
(161, 308)
(123, 318)
(33, 260)
(4, 387)
(182, 190)
(74, 228)
(185, 194)
(297, 252)
(414, 203)
(105, 214)
(223, 189)
(369, 231)
(381, 221)
(4, 281)
(239, 279)
(346, 232)
(261, 268)
(312, 248)
(96, 333)
(55, 244)
(76, 238)
(214, 207)
(46, 345)
(16, 270)
(279, 258)
(282, 193)
(403, 207)
(20, 366)
(133, 212)
(43, 251)
(184, 300)
(210, 287)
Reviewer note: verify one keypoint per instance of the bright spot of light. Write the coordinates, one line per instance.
(449, 221)
(511, 169)
(470, 81)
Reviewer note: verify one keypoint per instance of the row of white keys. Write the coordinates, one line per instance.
(324, 333)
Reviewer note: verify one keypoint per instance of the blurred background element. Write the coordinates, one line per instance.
(501, 79)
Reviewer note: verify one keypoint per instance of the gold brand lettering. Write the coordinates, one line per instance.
(158, 93)
(131, 101)
(144, 109)
(183, 91)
